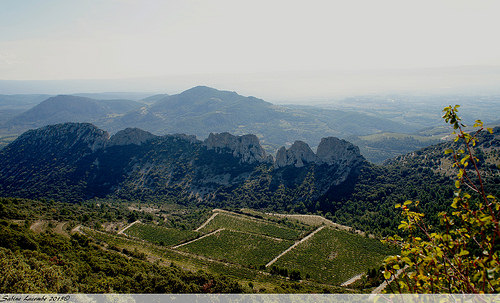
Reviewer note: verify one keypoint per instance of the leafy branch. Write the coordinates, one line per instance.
(460, 256)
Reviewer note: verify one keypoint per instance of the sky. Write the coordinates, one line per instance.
(278, 49)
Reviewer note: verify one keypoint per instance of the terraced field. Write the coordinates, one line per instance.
(251, 225)
(237, 247)
(241, 245)
(160, 235)
(262, 282)
(333, 256)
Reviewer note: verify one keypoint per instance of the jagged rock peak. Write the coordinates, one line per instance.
(330, 150)
(298, 154)
(130, 136)
(333, 150)
(246, 147)
(71, 133)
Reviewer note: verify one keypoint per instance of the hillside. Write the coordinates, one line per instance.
(98, 247)
(427, 175)
(77, 162)
(13, 105)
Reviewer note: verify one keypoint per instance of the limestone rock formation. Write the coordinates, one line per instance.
(298, 154)
(332, 151)
(246, 147)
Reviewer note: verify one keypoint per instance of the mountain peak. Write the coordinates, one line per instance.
(201, 88)
(298, 154)
(333, 150)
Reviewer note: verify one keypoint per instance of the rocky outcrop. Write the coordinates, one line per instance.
(333, 150)
(246, 147)
(298, 154)
(130, 136)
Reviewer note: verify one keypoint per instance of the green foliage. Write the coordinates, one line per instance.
(461, 256)
(91, 212)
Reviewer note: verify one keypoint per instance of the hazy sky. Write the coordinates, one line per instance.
(98, 39)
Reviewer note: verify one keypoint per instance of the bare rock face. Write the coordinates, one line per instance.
(246, 147)
(298, 154)
(332, 151)
(130, 136)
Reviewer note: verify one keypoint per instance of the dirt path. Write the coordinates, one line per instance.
(208, 221)
(294, 245)
(194, 240)
(128, 226)
(351, 280)
(60, 229)
(256, 234)
(37, 226)
(77, 229)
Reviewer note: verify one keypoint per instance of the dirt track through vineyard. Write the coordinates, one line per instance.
(294, 245)
(352, 280)
(208, 221)
(128, 226)
(194, 240)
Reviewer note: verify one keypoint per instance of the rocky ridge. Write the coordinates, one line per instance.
(246, 147)
(80, 160)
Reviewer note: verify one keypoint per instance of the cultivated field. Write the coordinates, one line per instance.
(243, 223)
(237, 247)
(160, 235)
(334, 256)
(242, 245)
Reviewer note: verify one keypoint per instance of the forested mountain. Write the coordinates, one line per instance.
(75, 162)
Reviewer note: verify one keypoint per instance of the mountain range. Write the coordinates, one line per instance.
(80, 161)
(200, 111)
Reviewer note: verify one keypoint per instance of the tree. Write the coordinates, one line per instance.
(461, 254)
